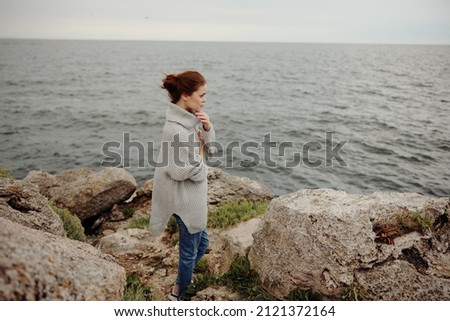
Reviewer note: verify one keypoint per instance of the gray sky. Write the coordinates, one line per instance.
(350, 21)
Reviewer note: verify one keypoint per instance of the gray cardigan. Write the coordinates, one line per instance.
(180, 182)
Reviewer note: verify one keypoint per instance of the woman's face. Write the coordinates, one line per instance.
(198, 98)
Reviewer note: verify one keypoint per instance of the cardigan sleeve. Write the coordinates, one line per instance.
(184, 160)
(210, 140)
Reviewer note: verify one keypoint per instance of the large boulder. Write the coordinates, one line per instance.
(21, 202)
(337, 243)
(84, 192)
(37, 265)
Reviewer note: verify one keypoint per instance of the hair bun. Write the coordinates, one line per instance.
(170, 82)
(186, 82)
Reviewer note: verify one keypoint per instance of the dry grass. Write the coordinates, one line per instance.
(406, 221)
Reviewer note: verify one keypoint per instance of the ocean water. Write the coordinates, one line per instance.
(359, 118)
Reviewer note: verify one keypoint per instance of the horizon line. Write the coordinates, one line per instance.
(226, 41)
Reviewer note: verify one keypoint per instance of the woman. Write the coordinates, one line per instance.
(180, 181)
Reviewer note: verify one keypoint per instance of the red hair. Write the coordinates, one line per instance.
(186, 82)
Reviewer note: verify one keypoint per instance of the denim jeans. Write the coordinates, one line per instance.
(192, 248)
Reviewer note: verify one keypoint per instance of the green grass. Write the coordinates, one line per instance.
(223, 216)
(174, 239)
(303, 295)
(234, 212)
(202, 266)
(240, 278)
(245, 281)
(353, 293)
(4, 173)
(227, 214)
(412, 221)
(128, 212)
(140, 222)
(72, 224)
(135, 290)
(202, 279)
(404, 222)
(172, 226)
(199, 282)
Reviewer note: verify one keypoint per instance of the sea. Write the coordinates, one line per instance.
(355, 117)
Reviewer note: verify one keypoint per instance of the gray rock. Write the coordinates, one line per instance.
(37, 265)
(44, 180)
(146, 189)
(127, 241)
(239, 238)
(154, 259)
(223, 187)
(22, 203)
(217, 293)
(227, 245)
(324, 240)
(84, 192)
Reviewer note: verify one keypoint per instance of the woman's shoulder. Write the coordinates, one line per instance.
(173, 128)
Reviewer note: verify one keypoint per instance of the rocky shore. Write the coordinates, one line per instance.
(341, 246)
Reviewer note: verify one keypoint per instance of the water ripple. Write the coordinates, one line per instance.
(390, 103)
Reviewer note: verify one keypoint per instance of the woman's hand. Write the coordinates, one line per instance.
(204, 118)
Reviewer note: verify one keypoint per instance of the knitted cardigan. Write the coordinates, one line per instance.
(180, 182)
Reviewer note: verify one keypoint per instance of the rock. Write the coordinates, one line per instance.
(324, 240)
(74, 174)
(84, 192)
(44, 180)
(22, 203)
(37, 265)
(127, 241)
(239, 239)
(223, 187)
(231, 244)
(152, 258)
(108, 232)
(216, 294)
(140, 201)
(392, 282)
(146, 189)
(119, 214)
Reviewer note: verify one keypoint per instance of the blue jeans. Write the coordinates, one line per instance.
(192, 248)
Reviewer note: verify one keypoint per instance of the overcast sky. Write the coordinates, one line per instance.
(348, 21)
